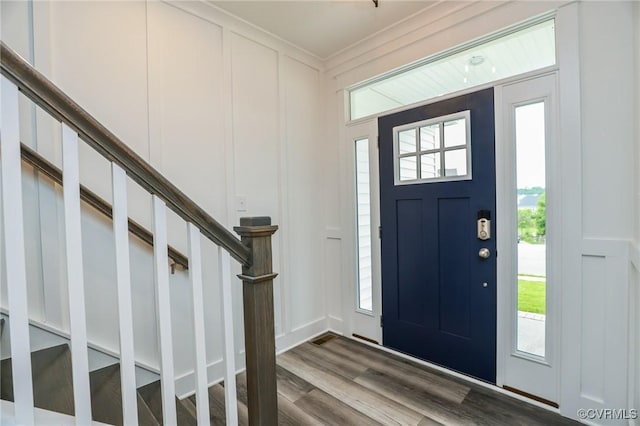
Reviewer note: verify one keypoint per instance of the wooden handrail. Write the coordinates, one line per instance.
(49, 97)
(55, 174)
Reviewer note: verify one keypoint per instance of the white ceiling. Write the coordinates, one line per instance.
(322, 27)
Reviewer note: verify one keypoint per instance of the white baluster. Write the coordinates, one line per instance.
(163, 311)
(125, 313)
(14, 254)
(195, 276)
(75, 276)
(231, 403)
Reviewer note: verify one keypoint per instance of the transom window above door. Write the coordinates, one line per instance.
(516, 50)
(434, 150)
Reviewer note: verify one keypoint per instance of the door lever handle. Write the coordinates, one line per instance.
(484, 253)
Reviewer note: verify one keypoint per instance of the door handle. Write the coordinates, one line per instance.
(484, 253)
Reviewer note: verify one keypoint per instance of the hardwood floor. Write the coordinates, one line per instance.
(330, 381)
(338, 381)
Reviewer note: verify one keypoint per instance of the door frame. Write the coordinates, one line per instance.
(355, 320)
(569, 133)
(358, 322)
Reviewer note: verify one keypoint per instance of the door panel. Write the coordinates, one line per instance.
(454, 266)
(410, 254)
(435, 304)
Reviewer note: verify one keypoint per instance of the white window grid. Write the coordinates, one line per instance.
(440, 151)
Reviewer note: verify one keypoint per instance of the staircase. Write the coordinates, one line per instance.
(58, 379)
(53, 391)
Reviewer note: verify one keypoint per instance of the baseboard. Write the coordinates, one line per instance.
(334, 331)
(41, 417)
(290, 343)
(185, 384)
(301, 333)
(336, 323)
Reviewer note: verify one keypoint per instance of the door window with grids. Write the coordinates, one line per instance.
(434, 150)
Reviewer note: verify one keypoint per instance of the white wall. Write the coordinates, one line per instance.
(222, 110)
(15, 17)
(602, 378)
(607, 131)
(597, 330)
(598, 361)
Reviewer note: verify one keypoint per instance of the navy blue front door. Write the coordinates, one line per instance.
(438, 294)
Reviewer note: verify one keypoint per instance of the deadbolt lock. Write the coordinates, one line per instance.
(484, 225)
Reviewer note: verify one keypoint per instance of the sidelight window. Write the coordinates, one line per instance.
(531, 247)
(363, 200)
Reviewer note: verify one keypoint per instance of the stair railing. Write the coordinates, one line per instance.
(45, 167)
(253, 252)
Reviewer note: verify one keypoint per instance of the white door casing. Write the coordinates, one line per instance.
(538, 376)
(361, 322)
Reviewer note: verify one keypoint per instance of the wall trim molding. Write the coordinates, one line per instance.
(610, 247)
(304, 328)
(217, 16)
(612, 258)
(479, 19)
(336, 324)
(634, 250)
(421, 25)
(333, 233)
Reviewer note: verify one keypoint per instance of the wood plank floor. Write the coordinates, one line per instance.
(339, 381)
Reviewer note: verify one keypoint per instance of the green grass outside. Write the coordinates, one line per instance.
(531, 296)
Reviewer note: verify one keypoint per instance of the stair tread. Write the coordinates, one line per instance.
(53, 390)
(52, 379)
(106, 398)
(152, 395)
(145, 416)
(217, 409)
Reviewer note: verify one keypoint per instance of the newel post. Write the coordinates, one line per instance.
(259, 334)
